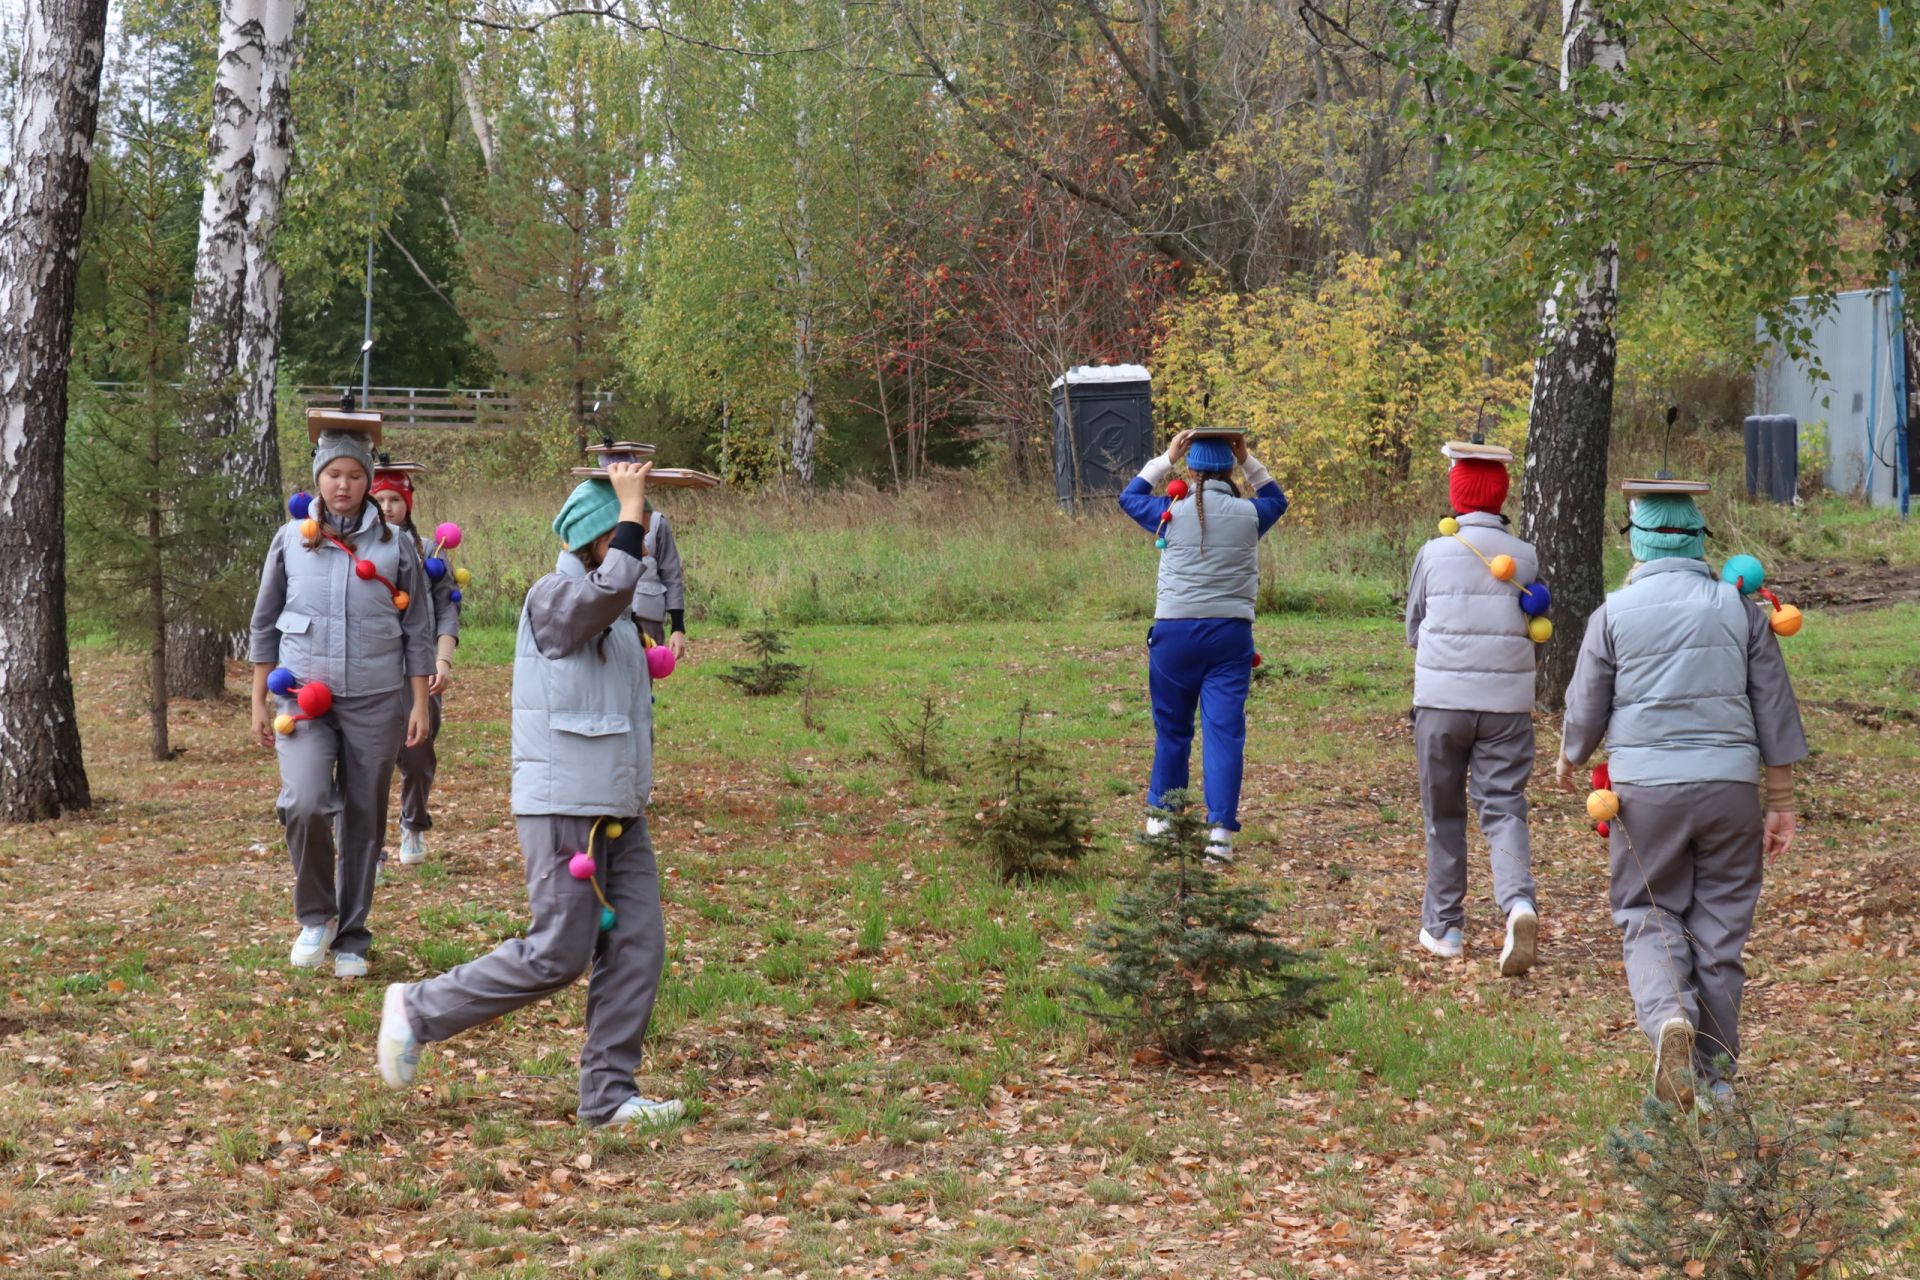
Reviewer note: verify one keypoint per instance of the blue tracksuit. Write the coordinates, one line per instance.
(1200, 648)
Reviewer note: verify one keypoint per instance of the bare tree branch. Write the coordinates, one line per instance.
(614, 11)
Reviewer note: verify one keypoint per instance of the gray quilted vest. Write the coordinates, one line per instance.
(650, 593)
(582, 723)
(1474, 653)
(338, 629)
(1221, 578)
(1680, 709)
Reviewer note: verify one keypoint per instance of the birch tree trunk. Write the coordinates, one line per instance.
(234, 333)
(806, 422)
(41, 770)
(1569, 422)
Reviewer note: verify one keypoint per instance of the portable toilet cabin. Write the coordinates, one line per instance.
(1102, 430)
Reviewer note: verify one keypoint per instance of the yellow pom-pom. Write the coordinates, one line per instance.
(400, 599)
(1539, 630)
(1503, 568)
(614, 830)
(461, 577)
(1786, 620)
(1449, 527)
(283, 723)
(1603, 806)
(309, 528)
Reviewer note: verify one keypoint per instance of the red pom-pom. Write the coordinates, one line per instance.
(1257, 659)
(1176, 489)
(365, 570)
(1602, 780)
(315, 699)
(1602, 829)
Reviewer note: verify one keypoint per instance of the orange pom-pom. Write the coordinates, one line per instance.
(400, 599)
(1603, 806)
(309, 528)
(1503, 567)
(1786, 620)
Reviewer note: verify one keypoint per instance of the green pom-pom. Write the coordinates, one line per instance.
(606, 919)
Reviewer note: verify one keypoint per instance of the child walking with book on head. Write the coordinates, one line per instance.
(393, 489)
(342, 649)
(582, 767)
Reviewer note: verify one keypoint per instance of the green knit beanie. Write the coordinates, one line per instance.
(1667, 511)
(589, 511)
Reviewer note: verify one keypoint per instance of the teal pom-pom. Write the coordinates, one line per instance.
(1159, 544)
(1744, 572)
(606, 919)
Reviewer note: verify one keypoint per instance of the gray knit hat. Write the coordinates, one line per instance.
(342, 444)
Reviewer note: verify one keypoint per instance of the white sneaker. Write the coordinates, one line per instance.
(310, 948)
(1158, 827)
(1523, 931)
(1220, 845)
(348, 965)
(413, 847)
(396, 1049)
(1447, 946)
(644, 1113)
(1673, 1062)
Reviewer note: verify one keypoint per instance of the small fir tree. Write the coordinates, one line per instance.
(916, 740)
(1183, 960)
(1735, 1194)
(1030, 821)
(770, 675)
(144, 511)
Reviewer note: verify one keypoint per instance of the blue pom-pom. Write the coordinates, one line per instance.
(1744, 572)
(436, 568)
(1536, 600)
(299, 505)
(606, 919)
(454, 595)
(280, 681)
(1159, 544)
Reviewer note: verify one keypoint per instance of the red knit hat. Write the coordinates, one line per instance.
(1477, 484)
(394, 482)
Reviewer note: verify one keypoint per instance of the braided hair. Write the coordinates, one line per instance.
(1200, 479)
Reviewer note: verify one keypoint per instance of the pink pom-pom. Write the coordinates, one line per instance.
(447, 535)
(315, 698)
(660, 662)
(580, 866)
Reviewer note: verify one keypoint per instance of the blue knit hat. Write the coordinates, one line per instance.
(1666, 525)
(589, 511)
(1210, 454)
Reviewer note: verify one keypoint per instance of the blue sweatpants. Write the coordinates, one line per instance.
(1203, 663)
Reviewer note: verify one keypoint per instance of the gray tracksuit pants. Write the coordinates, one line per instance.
(417, 766)
(1686, 867)
(334, 777)
(1487, 756)
(564, 938)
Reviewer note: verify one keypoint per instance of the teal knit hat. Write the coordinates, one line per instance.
(1665, 525)
(589, 511)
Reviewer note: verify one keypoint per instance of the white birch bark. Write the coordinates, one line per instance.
(805, 421)
(41, 210)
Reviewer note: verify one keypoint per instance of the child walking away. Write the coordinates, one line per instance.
(1686, 683)
(1200, 647)
(582, 765)
(1470, 603)
(393, 489)
(342, 645)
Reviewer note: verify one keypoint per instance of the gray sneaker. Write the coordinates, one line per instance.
(310, 948)
(348, 965)
(413, 847)
(396, 1050)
